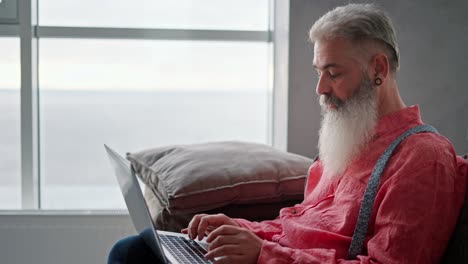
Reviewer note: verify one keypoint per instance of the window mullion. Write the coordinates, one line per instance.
(154, 34)
(29, 107)
(280, 75)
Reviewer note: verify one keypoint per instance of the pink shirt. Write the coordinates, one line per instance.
(417, 204)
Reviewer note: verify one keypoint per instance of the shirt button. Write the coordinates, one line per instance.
(293, 211)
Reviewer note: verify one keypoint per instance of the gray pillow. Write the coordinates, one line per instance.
(193, 178)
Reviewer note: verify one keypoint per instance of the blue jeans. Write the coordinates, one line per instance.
(131, 250)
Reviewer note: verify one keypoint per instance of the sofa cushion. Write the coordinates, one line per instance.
(193, 178)
(175, 222)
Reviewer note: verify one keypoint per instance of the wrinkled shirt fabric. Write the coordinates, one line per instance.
(419, 198)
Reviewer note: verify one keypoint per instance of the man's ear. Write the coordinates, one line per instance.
(380, 66)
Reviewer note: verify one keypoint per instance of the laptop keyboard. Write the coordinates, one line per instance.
(184, 250)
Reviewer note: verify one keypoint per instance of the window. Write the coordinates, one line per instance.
(180, 14)
(133, 75)
(10, 148)
(152, 94)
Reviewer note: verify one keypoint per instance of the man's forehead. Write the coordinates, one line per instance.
(332, 53)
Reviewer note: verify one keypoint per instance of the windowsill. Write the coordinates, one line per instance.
(19, 212)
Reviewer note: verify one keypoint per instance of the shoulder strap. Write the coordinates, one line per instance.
(367, 203)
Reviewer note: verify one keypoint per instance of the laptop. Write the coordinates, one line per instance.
(169, 247)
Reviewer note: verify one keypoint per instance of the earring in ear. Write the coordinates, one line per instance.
(378, 81)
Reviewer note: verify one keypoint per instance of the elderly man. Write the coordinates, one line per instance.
(420, 191)
(417, 197)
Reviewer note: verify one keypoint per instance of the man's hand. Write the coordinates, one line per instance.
(202, 224)
(233, 244)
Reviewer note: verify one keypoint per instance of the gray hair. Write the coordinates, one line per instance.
(359, 23)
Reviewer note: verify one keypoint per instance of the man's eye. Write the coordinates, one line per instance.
(333, 76)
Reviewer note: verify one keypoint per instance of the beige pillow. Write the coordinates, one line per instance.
(193, 178)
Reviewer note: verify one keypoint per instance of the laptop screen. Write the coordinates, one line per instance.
(135, 201)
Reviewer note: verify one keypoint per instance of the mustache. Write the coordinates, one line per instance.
(327, 99)
(363, 91)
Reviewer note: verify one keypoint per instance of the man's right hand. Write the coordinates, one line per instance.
(202, 224)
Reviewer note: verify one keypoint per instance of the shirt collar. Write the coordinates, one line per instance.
(399, 120)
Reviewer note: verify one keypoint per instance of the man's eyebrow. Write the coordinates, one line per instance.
(329, 65)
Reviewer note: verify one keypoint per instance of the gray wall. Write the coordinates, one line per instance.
(432, 36)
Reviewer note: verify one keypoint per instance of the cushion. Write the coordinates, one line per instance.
(175, 222)
(193, 178)
(457, 249)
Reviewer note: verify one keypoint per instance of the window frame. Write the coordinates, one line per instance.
(29, 32)
(9, 12)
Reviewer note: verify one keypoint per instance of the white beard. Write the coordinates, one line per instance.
(347, 129)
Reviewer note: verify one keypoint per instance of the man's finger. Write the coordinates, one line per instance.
(223, 230)
(207, 223)
(193, 225)
(229, 260)
(224, 240)
(225, 250)
(202, 227)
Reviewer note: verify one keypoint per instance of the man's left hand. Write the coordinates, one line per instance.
(233, 245)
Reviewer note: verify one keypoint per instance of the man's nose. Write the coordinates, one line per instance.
(322, 86)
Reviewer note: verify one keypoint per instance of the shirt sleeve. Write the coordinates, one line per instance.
(414, 219)
(267, 229)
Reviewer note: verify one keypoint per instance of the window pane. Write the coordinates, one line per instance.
(192, 14)
(135, 94)
(10, 148)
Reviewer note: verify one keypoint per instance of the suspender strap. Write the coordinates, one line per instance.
(367, 203)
